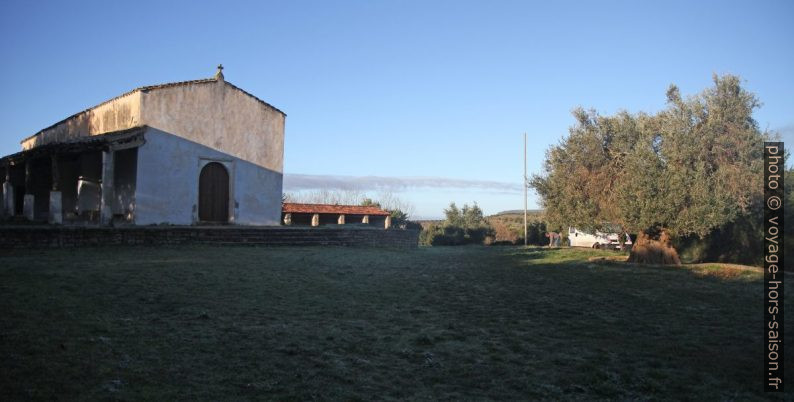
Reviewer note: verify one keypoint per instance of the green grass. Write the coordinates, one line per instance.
(228, 323)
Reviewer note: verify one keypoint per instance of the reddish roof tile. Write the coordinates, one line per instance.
(290, 207)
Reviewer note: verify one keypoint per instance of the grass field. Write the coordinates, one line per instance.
(228, 323)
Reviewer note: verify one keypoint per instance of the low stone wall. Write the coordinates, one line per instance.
(64, 236)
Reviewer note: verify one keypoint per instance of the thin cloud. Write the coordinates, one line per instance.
(299, 182)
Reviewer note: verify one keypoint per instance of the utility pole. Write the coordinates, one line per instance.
(525, 189)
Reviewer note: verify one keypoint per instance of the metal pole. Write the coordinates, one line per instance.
(525, 189)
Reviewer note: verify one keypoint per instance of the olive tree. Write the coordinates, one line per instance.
(686, 170)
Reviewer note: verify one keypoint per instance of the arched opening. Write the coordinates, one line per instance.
(213, 202)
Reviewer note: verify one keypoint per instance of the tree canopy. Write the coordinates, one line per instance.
(688, 169)
(465, 225)
(468, 217)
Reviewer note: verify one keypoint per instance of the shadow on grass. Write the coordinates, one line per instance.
(214, 323)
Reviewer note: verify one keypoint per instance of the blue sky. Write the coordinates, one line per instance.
(425, 99)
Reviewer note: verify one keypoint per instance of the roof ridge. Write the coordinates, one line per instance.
(174, 84)
(149, 88)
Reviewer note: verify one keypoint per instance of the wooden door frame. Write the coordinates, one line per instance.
(229, 165)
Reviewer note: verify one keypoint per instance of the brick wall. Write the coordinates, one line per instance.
(49, 236)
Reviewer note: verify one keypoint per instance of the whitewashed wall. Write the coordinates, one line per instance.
(168, 179)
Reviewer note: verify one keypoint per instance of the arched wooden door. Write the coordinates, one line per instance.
(214, 193)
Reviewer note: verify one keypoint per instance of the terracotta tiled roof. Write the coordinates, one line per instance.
(289, 207)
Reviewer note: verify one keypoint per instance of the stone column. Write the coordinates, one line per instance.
(341, 219)
(365, 219)
(106, 188)
(56, 209)
(3, 208)
(388, 222)
(288, 219)
(8, 193)
(28, 201)
(316, 220)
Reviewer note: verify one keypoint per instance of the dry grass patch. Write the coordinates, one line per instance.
(230, 323)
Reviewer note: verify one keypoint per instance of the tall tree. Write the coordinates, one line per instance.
(472, 216)
(453, 216)
(686, 170)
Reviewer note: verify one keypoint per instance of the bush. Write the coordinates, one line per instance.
(536, 233)
(740, 241)
(510, 230)
(466, 226)
(451, 236)
(438, 235)
(411, 225)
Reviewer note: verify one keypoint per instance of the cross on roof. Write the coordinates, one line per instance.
(219, 74)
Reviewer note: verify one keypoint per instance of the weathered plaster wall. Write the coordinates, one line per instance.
(221, 117)
(258, 194)
(167, 183)
(117, 114)
(212, 113)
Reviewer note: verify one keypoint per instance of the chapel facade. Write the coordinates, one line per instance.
(184, 153)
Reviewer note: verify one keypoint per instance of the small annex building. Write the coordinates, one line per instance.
(184, 153)
(327, 214)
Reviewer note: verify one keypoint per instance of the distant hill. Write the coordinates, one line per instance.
(519, 212)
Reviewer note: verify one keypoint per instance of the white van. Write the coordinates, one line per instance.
(578, 238)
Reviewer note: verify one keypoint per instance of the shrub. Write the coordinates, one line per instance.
(740, 241)
(462, 226)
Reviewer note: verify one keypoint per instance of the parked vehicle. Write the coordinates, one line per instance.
(609, 240)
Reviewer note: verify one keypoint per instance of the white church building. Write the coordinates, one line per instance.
(184, 153)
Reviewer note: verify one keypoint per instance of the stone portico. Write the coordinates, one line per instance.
(326, 214)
